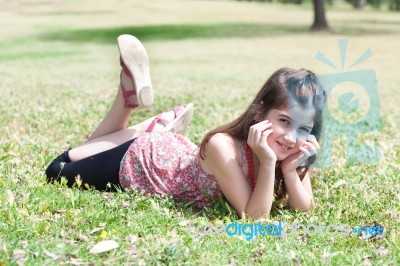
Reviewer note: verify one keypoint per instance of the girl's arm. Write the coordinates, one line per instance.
(225, 167)
(299, 192)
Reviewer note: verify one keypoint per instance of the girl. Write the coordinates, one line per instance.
(264, 153)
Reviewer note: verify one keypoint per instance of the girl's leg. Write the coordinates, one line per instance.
(97, 161)
(97, 171)
(117, 117)
(110, 141)
(134, 89)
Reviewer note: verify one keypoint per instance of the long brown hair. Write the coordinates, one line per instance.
(286, 86)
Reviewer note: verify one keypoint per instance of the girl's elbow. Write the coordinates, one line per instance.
(255, 215)
(305, 208)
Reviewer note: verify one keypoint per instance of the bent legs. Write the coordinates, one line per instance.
(97, 170)
(97, 161)
(110, 141)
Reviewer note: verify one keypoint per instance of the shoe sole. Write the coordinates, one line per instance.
(135, 58)
(182, 121)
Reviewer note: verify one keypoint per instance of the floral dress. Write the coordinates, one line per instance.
(168, 164)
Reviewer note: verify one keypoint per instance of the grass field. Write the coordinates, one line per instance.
(59, 72)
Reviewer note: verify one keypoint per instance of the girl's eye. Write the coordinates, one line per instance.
(305, 129)
(284, 121)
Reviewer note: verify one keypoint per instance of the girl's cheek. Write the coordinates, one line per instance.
(300, 143)
(270, 138)
(275, 129)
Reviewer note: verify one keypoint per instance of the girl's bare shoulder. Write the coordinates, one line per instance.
(223, 140)
(224, 143)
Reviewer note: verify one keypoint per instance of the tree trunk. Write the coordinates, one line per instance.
(319, 16)
(359, 4)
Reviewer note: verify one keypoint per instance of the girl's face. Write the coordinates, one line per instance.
(290, 129)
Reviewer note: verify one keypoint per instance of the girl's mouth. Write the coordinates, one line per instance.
(283, 146)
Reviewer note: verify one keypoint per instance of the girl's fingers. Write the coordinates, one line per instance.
(313, 147)
(259, 132)
(254, 132)
(262, 126)
(309, 149)
(265, 134)
(314, 141)
(257, 129)
(315, 144)
(306, 151)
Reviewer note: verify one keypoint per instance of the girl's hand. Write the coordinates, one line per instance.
(257, 140)
(309, 148)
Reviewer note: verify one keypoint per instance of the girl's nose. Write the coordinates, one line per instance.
(290, 137)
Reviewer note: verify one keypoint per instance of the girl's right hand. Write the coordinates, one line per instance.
(257, 140)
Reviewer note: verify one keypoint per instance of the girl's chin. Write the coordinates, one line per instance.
(282, 156)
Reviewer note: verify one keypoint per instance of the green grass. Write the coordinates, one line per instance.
(59, 72)
(191, 31)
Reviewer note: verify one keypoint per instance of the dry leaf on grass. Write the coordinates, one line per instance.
(107, 195)
(132, 249)
(82, 237)
(74, 260)
(104, 246)
(97, 229)
(183, 223)
(366, 261)
(131, 238)
(18, 256)
(381, 251)
(51, 255)
(339, 183)
(296, 262)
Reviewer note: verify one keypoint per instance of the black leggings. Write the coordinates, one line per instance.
(97, 170)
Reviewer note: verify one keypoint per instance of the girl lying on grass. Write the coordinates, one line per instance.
(265, 153)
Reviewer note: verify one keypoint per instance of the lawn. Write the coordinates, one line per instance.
(59, 72)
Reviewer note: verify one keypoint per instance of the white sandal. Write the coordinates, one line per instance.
(135, 63)
(183, 116)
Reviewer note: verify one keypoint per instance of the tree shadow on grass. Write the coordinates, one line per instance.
(190, 31)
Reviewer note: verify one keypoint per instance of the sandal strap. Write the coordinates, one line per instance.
(127, 94)
(131, 105)
(177, 110)
(155, 121)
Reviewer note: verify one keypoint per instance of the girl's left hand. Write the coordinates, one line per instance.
(308, 149)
